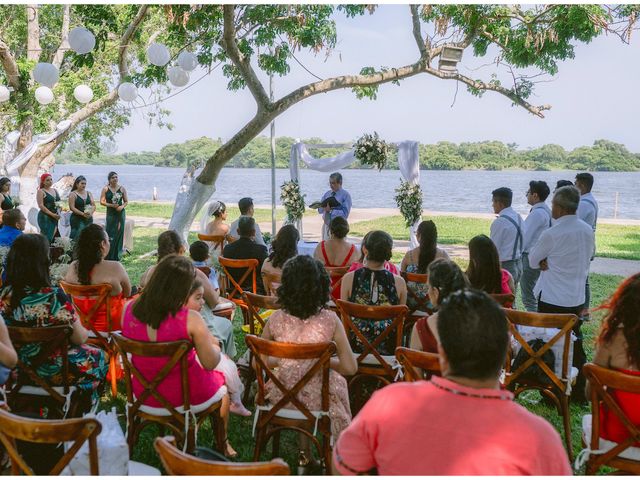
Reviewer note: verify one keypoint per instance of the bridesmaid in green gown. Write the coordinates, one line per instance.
(81, 205)
(6, 202)
(48, 216)
(114, 197)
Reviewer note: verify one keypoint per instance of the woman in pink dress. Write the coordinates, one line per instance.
(159, 315)
(303, 318)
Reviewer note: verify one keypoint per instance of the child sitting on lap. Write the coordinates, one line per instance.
(199, 253)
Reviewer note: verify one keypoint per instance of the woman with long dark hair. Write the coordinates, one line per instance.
(81, 205)
(6, 202)
(283, 247)
(48, 216)
(484, 271)
(114, 197)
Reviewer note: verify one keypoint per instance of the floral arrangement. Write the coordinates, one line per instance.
(62, 255)
(62, 206)
(116, 199)
(409, 200)
(371, 150)
(4, 251)
(292, 200)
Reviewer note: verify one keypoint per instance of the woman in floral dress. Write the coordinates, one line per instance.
(114, 197)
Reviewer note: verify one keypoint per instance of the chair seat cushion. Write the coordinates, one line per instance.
(41, 392)
(631, 453)
(137, 469)
(290, 413)
(419, 313)
(163, 412)
(224, 306)
(372, 360)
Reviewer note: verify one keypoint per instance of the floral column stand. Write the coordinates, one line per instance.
(293, 202)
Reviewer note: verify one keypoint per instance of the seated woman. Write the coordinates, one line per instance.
(8, 355)
(337, 251)
(283, 247)
(618, 348)
(419, 259)
(304, 319)
(363, 253)
(484, 271)
(374, 285)
(159, 315)
(170, 243)
(91, 268)
(445, 277)
(27, 299)
(217, 226)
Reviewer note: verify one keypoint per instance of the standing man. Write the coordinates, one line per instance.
(562, 253)
(538, 220)
(245, 205)
(588, 213)
(342, 196)
(507, 233)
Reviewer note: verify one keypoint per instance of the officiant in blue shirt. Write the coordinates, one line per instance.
(342, 196)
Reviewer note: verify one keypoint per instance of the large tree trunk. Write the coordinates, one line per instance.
(191, 197)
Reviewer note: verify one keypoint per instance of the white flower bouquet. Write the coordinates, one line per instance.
(409, 200)
(90, 209)
(371, 150)
(116, 199)
(293, 200)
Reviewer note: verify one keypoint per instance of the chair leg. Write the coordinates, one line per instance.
(564, 406)
(275, 444)
(257, 449)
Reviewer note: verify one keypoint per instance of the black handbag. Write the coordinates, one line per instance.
(534, 372)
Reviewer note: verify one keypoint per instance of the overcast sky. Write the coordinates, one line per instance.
(593, 96)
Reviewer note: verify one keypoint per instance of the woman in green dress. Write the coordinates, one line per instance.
(6, 202)
(81, 205)
(114, 197)
(48, 216)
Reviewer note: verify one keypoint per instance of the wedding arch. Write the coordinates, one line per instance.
(408, 162)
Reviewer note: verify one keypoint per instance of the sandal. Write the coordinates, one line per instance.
(229, 452)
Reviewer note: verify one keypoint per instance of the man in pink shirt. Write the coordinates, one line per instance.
(460, 424)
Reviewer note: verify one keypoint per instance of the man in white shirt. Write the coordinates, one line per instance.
(507, 233)
(588, 213)
(246, 209)
(563, 253)
(538, 220)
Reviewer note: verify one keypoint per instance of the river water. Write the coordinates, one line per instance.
(449, 191)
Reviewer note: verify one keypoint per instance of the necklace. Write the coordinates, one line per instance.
(501, 396)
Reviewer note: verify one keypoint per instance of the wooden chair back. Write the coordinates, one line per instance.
(76, 430)
(422, 304)
(336, 274)
(416, 364)
(271, 282)
(255, 303)
(176, 462)
(217, 241)
(503, 299)
(397, 313)
(250, 265)
(602, 381)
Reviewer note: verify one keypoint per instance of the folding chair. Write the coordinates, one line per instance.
(216, 241)
(503, 299)
(289, 413)
(102, 295)
(370, 362)
(557, 388)
(177, 463)
(60, 399)
(235, 289)
(271, 282)
(417, 365)
(76, 430)
(624, 456)
(178, 419)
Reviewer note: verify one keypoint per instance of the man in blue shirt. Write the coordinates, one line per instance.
(342, 196)
(13, 223)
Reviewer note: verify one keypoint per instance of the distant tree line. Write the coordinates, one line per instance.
(603, 155)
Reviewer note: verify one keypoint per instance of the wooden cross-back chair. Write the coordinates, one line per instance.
(422, 304)
(177, 463)
(76, 430)
(503, 299)
(417, 365)
(557, 388)
(271, 282)
(177, 418)
(29, 385)
(101, 293)
(289, 412)
(217, 241)
(336, 274)
(617, 455)
(235, 290)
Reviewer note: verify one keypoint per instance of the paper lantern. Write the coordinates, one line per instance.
(81, 40)
(128, 92)
(44, 95)
(187, 61)
(158, 54)
(46, 74)
(83, 93)
(178, 77)
(4, 94)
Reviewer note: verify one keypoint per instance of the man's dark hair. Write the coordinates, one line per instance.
(504, 195)
(563, 183)
(474, 334)
(199, 251)
(244, 204)
(541, 188)
(11, 217)
(379, 246)
(339, 227)
(586, 179)
(337, 177)
(304, 290)
(246, 226)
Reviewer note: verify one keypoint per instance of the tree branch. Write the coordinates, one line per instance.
(126, 38)
(64, 37)
(242, 63)
(417, 31)
(33, 33)
(9, 65)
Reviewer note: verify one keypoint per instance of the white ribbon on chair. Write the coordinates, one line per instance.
(584, 454)
(397, 366)
(265, 408)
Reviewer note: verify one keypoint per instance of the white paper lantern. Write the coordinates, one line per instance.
(46, 74)
(4, 94)
(187, 61)
(158, 54)
(178, 77)
(81, 40)
(83, 93)
(128, 92)
(44, 95)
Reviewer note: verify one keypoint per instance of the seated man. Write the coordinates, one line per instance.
(13, 223)
(246, 210)
(244, 248)
(457, 424)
